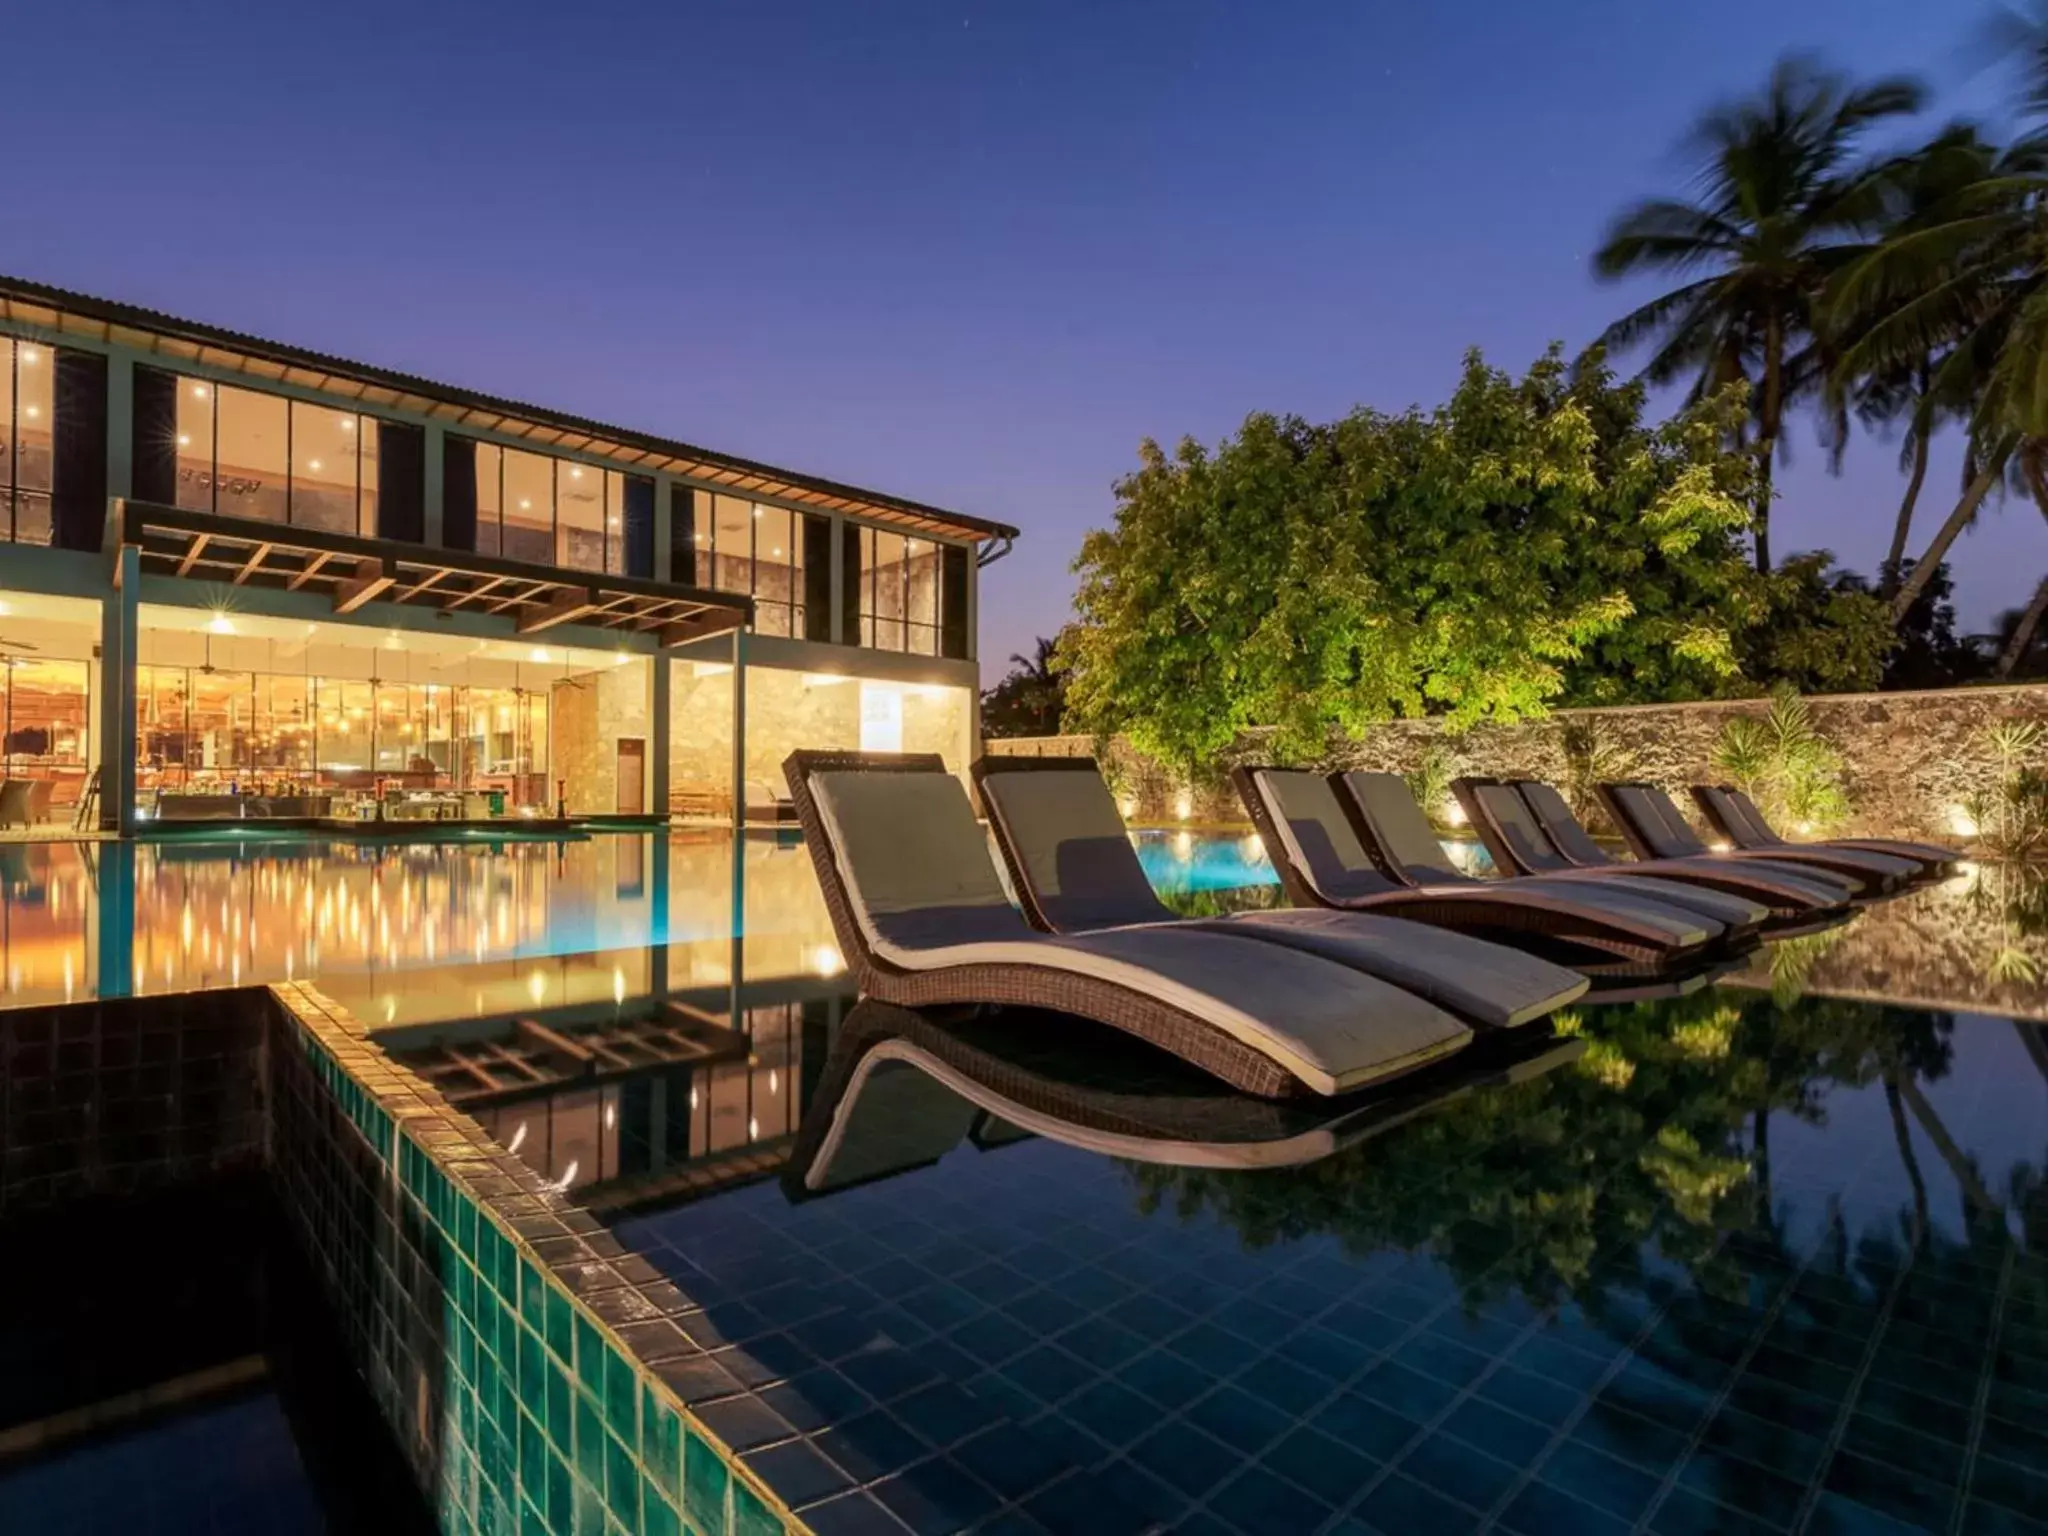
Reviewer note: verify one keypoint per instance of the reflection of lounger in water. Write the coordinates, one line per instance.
(922, 919)
(900, 1091)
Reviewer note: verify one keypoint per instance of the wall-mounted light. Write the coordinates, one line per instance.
(1183, 805)
(1961, 822)
(1454, 813)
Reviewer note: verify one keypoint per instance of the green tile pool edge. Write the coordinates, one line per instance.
(549, 1423)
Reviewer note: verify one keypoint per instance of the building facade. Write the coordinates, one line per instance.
(240, 580)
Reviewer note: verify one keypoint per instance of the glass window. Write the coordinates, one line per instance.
(882, 588)
(490, 501)
(614, 523)
(243, 453)
(899, 593)
(778, 572)
(251, 463)
(579, 517)
(921, 597)
(27, 372)
(528, 500)
(35, 369)
(195, 445)
(325, 462)
(732, 544)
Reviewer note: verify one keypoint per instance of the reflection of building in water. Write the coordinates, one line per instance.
(645, 1131)
(79, 920)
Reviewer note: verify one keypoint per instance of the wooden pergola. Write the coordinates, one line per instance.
(352, 571)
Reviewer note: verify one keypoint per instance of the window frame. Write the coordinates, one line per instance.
(293, 404)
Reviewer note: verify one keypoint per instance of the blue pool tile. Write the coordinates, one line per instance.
(1014, 1461)
(1685, 1513)
(1113, 1413)
(935, 1497)
(798, 1473)
(1408, 1392)
(1400, 1504)
(1164, 1376)
(1497, 1431)
(1617, 1487)
(1327, 1468)
(1259, 1501)
(1239, 1419)
(1540, 1510)
(1285, 1385)
(1459, 1472)
(1185, 1457)
(870, 1445)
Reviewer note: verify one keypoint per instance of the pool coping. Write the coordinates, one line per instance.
(565, 1369)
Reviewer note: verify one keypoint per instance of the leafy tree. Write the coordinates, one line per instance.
(1531, 541)
(1929, 653)
(1822, 629)
(1030, 699)
(1782, 203)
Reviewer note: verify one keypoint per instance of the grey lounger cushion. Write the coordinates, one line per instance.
(1738, 810)
(1664, 827)
(1526, 836)
(1318, 836)
(1554, 814)
(1062, 827)
(1390, 810)
(926, 896)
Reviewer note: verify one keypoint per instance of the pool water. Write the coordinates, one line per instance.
(1732, 1264)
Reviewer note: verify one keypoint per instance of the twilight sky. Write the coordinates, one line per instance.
(967, 252)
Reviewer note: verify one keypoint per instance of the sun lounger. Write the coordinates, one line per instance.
(1519, 848)
(1735, 816)
(1073, 870)
(1528, 827)
(1321, 862)
(1655, 828)
(923, 920)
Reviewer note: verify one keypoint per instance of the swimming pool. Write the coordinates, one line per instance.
(1758, 1255)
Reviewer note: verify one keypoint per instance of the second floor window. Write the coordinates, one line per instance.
(243, 453)
(899, 592)
(755, 549)
(27, 426)
(531, 506)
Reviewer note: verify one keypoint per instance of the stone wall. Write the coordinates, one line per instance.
(1909, 759)
(590, 712)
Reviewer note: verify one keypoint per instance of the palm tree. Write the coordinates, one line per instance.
(1780, 205)
(1967, 282)
(1898, 385)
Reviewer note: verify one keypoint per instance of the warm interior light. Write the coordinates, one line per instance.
(28, 357)
(220, 624)
(184, 440)
(777, 553)
(757, 511)
(540, 653)
(575, 474)
(348, 423)
(199, 391)
(32, 411)
(313, 464)
(525, 505)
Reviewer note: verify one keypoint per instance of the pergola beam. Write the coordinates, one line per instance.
(372, 580)
(252, 564)
(310, 570)
(710, 622)
(193, 551)
(565, 607)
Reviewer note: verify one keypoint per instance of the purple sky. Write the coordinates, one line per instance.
(969, 253)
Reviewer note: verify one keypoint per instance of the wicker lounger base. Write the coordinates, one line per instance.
(1194, 1040)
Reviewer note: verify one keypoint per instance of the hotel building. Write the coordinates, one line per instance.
(240, 580)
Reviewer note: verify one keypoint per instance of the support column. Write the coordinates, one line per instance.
(660, 672)
(739, 825)
(120, 425)
(739, 730)
(117, 692)
(114, 919)
(434, 442)
(974, 607)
